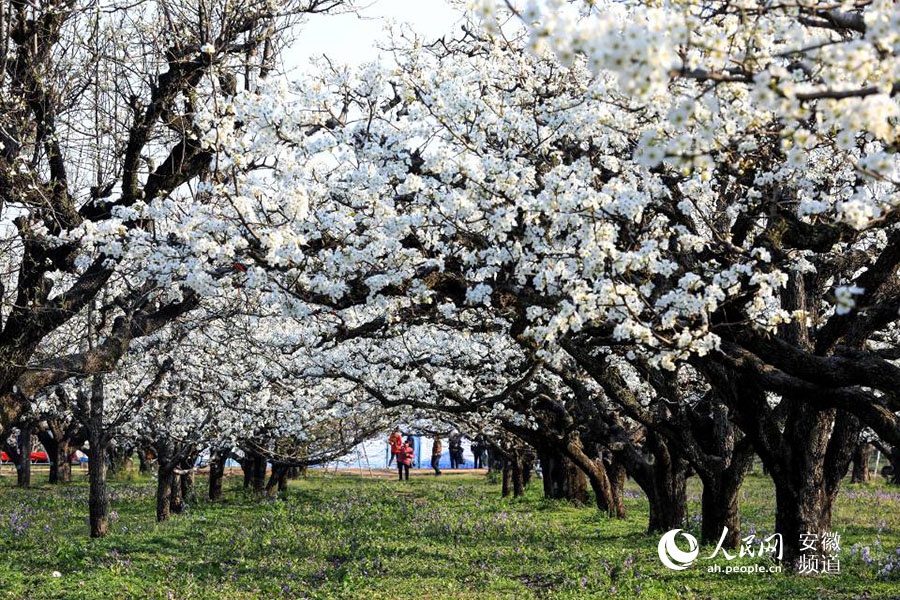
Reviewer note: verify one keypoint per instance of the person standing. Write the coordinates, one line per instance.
(405, 458)
(456, 451)
(478, 451)
(396, 444)
(436, 450)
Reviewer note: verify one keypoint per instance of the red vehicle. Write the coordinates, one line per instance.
(36, 457)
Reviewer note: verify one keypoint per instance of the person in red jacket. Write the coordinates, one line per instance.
(396, 444)
(405, 459)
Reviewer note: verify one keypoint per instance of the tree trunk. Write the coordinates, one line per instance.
(48, 441)
(145, 463)
(258, 480)
(23, 473)
(668, 502)
(893, 457)
(800, 512)
(615, 471)
(665, 482)
(518, 479)
(860, 472)
(164, 477)
(720, 504)
(812, 454)
(176, 500)
(216, 475)
(168, 487)
(60, 468)
(98, 496)
(563, 480)
(254, 467)
(247, 466)
(15, 456)
(119, 460)
(527, 467)
(187, 482)
(720, 510)
(807, 480)
(598, 477)
(278, 479)
(506, 487)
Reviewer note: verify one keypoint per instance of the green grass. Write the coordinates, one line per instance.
(453, 537)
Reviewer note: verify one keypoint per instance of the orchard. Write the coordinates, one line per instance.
(644, 254)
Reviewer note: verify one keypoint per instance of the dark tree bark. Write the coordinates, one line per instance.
(890, 471)
(98, 496)
(860, 472)
(893, 457)
(616, 473)
(248, 466)
(278, 478)
(23, 469)
(663, 478)
(517, 473)
(120, 459)
(11, 447)
(528, 459)
(61, 469)
(806, 446)
(806, 488)
(720, 505)
(146, 458)
(506, 480)
(814, 456)
(58, 444)
(595, 471)
(164, 478)
(667, 486)
(174, 476)
(258, 480)
(216, 474)
(176, 499)
(187, 479)
(168, 500)
(563, 480)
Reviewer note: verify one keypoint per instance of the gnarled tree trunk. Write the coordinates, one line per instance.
(720, 504)
(860, 472)
(98, 496)
(258, 480)
(165, 477)
(59, 440)
(563, 480)
(216, 475)
(664, 480)
(168, 490)
(278, 479)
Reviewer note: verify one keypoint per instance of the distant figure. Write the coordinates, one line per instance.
(436, 450)
(405, 458)
(396, 444)
(456, 451)
(478, 451)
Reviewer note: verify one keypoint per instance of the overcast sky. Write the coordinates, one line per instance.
(352, 38)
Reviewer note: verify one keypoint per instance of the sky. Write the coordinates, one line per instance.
(351, 38)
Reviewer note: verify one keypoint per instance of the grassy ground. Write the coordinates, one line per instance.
(453, 537)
